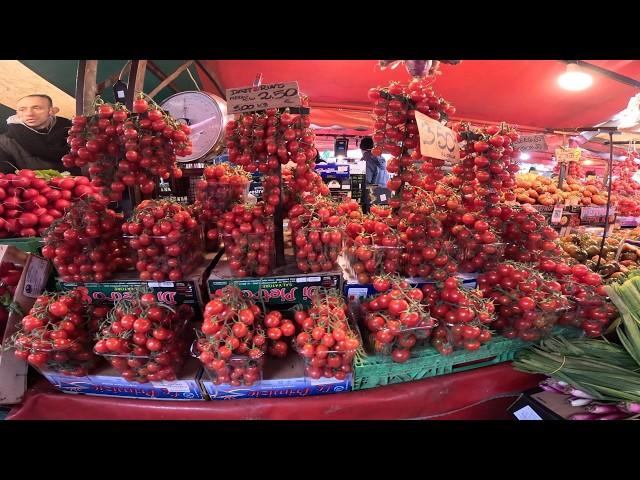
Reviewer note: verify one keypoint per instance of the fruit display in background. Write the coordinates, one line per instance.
(143, 339)
(585, 249)
(166, 238)
(86, 244)
(56, 334)
(123, 148)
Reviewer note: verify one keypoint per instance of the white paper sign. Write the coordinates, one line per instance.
(526, 413)
(270, 95)
(556, 216)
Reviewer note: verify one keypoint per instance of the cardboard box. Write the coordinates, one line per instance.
(538, 404)
(286, 286)
(189, 291)
(13, 372)
(282, 377)
(106, 382)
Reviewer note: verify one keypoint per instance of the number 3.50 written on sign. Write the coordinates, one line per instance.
(436, 140)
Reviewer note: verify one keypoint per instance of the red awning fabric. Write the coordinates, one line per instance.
(521, 92)
(484, 393)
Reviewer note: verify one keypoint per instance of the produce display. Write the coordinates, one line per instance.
(144, 340)
(124, 149)
(166, 238)
(535, 189)
(56, 334)
(31, 200)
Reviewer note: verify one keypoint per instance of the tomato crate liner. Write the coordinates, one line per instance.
(29, 244)
(377, 370)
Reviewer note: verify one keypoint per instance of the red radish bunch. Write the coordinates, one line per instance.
(10, 274)
(167, 239)
(29, 204)
(56, 333)
(144, 339)
(317, 231)
(396, 318)
(463, 316)
(248, 235)
(232, 341)
(144, 143)
(328, 342)
(278, 329)
(528, 305)
(86, 244)
(221, 186)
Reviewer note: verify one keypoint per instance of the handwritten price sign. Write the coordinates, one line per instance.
(271, 95)
(564, 155)
(436, 140)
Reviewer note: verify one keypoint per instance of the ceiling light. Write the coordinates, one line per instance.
(574, 78)
(525, 156)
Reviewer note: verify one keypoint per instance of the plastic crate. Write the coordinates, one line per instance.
(28, 244)
(378, 370)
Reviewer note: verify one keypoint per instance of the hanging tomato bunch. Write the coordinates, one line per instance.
(125, 148)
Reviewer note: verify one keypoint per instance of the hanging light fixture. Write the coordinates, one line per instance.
(574, 79)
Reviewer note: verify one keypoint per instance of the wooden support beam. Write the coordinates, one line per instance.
(109, 82)
(170, 78)
(212, 78)
(157, 71)
(86, 86)
(136, 81)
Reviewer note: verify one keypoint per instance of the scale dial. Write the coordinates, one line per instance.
(206, 114)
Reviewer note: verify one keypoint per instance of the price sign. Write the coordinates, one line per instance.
(436, 140)
(564, 155)
(270, 95)
(596, 215)
(531, 143)
(628, 221)
(556, 216)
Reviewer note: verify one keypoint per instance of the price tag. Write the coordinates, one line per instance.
(436, 140)
(270, 95)
(628, 221)
(531, 143)
(564, 155)
(526, 413)
(556, 216)
(596, 215)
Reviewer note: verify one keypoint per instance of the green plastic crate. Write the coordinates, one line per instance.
(377, 370)
(29, 244)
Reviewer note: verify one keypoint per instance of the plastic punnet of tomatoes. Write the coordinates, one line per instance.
(329, 340)
(318, 249)
(86, 244)
(368, 261)
(479, 256)
(143, 339)
(250, 254)
(221, 185)
(56, 333)
(396, 319)
(232, 339)
(167, 240)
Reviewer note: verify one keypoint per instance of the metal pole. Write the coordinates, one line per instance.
(606, 218)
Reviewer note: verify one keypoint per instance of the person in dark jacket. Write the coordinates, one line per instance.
(35, 137)
(373, 165)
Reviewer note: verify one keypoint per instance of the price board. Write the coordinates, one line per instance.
(436, 140)
(556, 216)
(564, 155)
(531, 143)
(596, 215)
(262, 97)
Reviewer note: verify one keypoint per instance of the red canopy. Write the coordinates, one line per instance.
(521, 92)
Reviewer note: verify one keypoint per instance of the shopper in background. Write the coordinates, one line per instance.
(36, 138)
(373, 166)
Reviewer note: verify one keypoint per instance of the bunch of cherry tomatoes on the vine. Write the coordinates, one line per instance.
(125, 148)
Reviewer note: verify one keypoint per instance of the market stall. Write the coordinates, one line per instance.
(179, 283)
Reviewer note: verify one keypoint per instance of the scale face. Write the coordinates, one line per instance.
(206, 114)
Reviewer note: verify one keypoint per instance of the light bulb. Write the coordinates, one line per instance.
(574, 78)
(525, 156)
